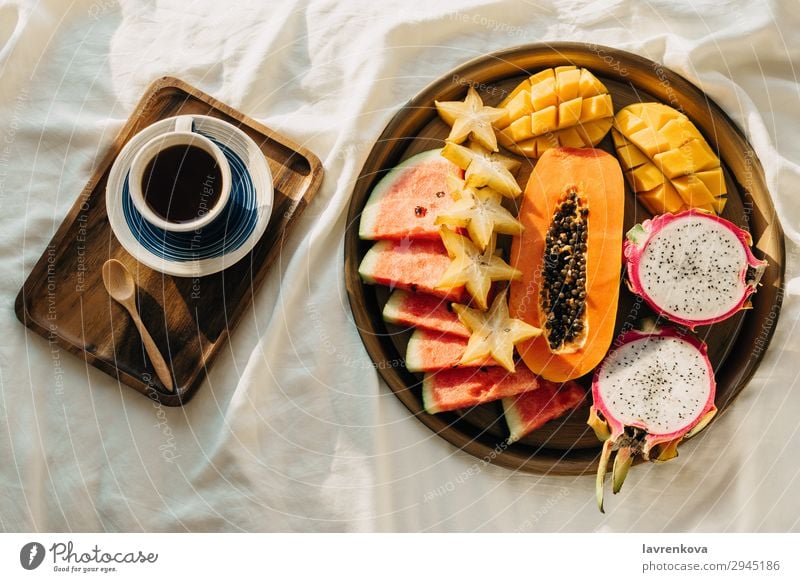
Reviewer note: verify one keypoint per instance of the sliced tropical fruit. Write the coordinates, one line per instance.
(472, 268)
(416, 265)
(667, 161)
(651, 392)
(563, 106)
(423, 311)
(429, 351)
(533, 409)
(471, 119)
(484, 168)
(467, 387)
(479, 211)
(493, 333)
(693, 267)
(406, 201)
(570, 255)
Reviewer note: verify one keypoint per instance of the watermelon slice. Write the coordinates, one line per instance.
(466, 387)
(531, 410)
(417, 265)
(407, 200)
(423, 310)
(429, 351)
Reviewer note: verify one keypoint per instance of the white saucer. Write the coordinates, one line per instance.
(222, 243)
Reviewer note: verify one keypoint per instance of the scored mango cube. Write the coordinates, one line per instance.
(628, 123)
(519, 130)
(714, 181)
(520, 105)
(543, 94)
(691, 157)
(545, 75)
(678, 131)
(566, 99)
(589, 85)
(546, 142)
(594, 131)
(630, 156)
(693, 191)
(524, 86)
(656, 117)
(661, 199)
(570, 138)
(567, 83)
(597, 107)
(544, 120)
(526, 148)
(646, 177)
(569, 113)
(668, 163)
(560, 68)
(619, 139)
(649, 141)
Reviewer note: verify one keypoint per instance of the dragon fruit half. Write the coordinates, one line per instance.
(652, 391)
(695, 268)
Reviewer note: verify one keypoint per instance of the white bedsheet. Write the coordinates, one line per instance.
(293, 429)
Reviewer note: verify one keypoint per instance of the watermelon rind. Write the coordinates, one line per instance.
(372, 209)
(414, 361)
(513, 419)
(392, 309)
(427, 395)
(561, 399)
(398, 312)
(367, 266)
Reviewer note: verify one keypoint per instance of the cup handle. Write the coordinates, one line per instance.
(184, 123)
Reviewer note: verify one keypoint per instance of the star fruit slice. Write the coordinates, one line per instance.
(471, 118)
(472, 268)
(484, 168)
(494, 333)
(479, 211)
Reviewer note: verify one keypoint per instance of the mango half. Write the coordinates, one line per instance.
(666, 160)
(563, 106)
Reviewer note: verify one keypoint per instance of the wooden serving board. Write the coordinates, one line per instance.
(190, 319)
(567, 446)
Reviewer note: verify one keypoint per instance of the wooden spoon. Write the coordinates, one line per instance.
(120, 285)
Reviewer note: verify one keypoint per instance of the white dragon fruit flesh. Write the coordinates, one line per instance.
(653, 390)
(695, 268)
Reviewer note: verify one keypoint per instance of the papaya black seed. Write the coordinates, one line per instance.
(563, 289)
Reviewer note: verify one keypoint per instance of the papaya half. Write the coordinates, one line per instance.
(570, 255)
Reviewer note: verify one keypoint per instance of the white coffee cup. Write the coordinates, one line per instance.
(181, 135)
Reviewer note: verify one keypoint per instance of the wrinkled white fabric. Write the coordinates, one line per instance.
(293, 429)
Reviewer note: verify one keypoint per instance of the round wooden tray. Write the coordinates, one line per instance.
(567, 446)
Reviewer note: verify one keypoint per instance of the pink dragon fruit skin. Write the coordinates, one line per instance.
(699, 286)
(630, 405)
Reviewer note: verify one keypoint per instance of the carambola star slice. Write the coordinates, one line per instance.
(471, 119)
(479, 211)
(472, 268)
(494, 333)
(484, 168)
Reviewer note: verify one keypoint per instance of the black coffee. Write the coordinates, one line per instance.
(182, 183)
